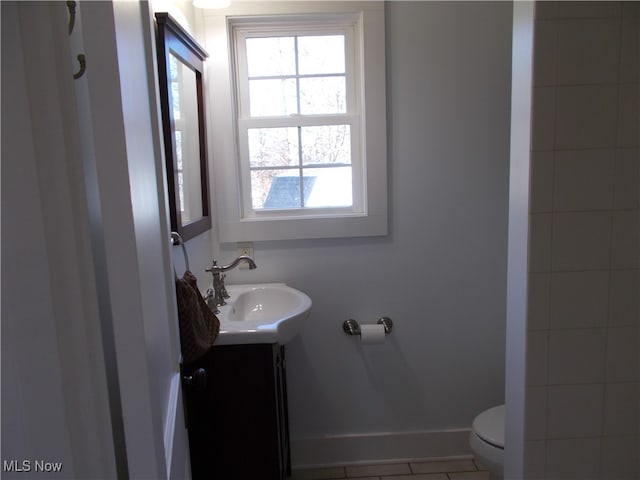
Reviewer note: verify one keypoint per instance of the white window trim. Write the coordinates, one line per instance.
(233, 225)
(347, 25)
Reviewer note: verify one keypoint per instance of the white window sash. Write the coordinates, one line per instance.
(358, 206)
(306, 27)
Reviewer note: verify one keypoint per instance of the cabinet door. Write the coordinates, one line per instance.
(237, 427)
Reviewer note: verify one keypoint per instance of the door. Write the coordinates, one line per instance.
(119, 122)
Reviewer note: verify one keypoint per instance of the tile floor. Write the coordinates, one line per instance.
(464, 469)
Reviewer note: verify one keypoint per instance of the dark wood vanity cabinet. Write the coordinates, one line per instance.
(238, 423)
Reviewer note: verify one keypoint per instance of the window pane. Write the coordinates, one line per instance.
(273, 147)
(272, 97)
(280, 189)
(178, 139)
(276, 189)
(173, 67)
(322, 95)
(273, 56)
(181, 190)
(321, 54)
(175, 96)
(331, 187)
(326, 144)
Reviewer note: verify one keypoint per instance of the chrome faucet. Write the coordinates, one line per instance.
(219, 290)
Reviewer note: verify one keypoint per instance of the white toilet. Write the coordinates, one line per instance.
(487, 440)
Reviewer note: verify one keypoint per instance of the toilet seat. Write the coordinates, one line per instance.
(486, 440)
(489, 426)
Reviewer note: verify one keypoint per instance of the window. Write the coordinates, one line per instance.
(309, 119)
(298, 120)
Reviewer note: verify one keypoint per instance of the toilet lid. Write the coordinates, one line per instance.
(489, 426)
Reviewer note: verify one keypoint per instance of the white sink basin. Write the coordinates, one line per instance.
(262, 313)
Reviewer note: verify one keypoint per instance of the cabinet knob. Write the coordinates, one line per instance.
(196, 381)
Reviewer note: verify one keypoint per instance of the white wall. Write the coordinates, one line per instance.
(89, 330)
(583, 340)
(54, 392)
(182, 11)
(26, 316)
(440, 274)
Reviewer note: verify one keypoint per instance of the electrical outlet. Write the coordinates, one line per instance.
(245, 248)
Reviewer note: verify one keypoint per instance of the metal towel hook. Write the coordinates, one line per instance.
(83, 66)
(71, 6)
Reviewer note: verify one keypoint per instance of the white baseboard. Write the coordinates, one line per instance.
(336, 450)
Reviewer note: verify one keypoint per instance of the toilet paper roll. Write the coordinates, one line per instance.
(371, 334)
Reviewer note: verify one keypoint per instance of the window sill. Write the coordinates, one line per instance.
(302, 228)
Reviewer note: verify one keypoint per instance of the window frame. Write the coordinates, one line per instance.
(297, 26)
(368, 214)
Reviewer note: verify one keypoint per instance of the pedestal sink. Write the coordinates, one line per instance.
(262, 313)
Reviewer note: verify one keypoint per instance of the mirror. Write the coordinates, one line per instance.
(180, 66)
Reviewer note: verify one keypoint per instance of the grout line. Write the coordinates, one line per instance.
(409, 476)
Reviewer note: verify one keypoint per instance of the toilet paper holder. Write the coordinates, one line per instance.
(351, 327)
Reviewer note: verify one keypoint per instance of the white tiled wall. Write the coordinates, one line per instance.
(583, 396)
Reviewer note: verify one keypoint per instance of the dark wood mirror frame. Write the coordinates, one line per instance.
(173, 39)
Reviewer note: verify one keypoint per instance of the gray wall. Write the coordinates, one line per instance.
(441, 273)
(583, 355)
